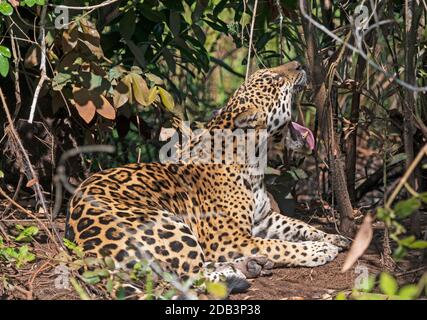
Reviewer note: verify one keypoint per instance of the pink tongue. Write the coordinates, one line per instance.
(306, 133)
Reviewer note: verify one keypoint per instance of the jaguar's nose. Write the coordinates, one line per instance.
(290, 66)
(298, 66)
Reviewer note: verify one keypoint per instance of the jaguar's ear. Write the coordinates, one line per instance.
(250, 119)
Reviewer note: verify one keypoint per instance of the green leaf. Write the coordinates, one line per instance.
(175, 23)
(20, 256)
(103, 273)
(199, 33)
(407, 241)
(91, 280)
(166, 98)
(127, 25)
(5, 8)
(406, 207)
(29, 3)
(4, 66)
(419, 244)
(27, 234)
(408, 292)
(170, 61)
(399, 252)
(290, 4)
(199, 9)
(5, 52)
(384, 213)
(73, 247)
(1, 174)
(396, 159)
(388, 284)
(60, 81)
(142, 94)
(79, 289)
(154, 78)
(423, 197)
(341, 296)
(109, 262)
(121, 293)
(218, 290)
(298, 174)
(368, 283)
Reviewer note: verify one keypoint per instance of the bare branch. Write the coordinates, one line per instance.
(250, 40)
(43, 76)
(389, 75)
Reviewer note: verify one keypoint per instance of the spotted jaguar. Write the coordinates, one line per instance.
(204, 218)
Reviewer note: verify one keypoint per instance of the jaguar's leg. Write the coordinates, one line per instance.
(162, 241)
(280, 252)
(249, 267)
(278, 226)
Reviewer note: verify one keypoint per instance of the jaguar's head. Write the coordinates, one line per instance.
(264, 101)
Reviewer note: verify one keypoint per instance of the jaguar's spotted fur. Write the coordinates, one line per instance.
(203, 217)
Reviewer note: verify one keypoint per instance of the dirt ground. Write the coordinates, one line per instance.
(37, 280)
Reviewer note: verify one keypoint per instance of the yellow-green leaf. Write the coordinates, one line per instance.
(119, 99)
(140, 89)
(408, 292)
(127, 81)
(388, 284)
(219, 290)
(166, 98)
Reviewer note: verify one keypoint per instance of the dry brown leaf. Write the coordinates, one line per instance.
(106, 109)
(83, 103)
(128, 82)
(273, 203)
(32, 57)
(31, 182)
(90, 38)
(121, 94)
(14, 3)
(89, 28)
(69, 38)
(360, 243)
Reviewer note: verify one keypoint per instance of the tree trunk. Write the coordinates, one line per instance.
(411, 26)
(325, 117)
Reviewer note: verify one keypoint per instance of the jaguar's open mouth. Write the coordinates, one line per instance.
(300, 137)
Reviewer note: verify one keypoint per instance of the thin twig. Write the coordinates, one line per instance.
(250, 40)
(279, 8)
(16, 59)
(406, 176)
(43, 75)
(390, 76)
(95, 6)
(27, 212)
(33, 175)
(60, 179)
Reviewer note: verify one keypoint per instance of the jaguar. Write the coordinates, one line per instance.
(204, 218)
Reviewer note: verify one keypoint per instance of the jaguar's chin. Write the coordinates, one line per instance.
(301, 82)
(299, 87)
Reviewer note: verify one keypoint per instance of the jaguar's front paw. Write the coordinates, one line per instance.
(317, 253)
(337, 240)
(254, 266)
